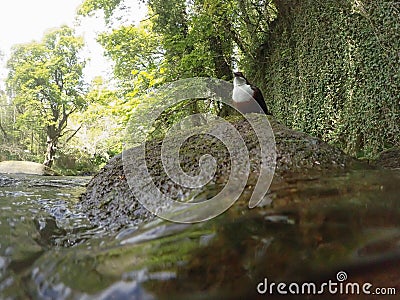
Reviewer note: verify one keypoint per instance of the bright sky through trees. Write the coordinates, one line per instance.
(22, 21)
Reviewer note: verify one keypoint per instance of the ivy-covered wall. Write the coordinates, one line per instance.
(332, 69)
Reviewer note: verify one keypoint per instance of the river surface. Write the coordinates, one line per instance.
(311, 228)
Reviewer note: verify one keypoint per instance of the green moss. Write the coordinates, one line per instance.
(332, 70)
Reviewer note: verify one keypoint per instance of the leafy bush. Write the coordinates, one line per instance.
(332, 69)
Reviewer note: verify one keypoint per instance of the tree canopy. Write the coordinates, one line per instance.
(329, 60)
(46, 83)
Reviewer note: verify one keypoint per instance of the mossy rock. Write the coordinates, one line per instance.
(109, 202)
(389, 159)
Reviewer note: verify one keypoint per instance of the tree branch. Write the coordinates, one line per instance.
(72, 135)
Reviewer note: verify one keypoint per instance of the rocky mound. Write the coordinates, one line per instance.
(388, 159)
(109, 202)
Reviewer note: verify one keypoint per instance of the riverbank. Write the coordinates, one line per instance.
(25, 167)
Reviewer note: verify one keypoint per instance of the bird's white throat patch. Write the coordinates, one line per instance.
(239, 81)
(242, 92)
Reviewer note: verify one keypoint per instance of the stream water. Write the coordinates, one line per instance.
(315, 227)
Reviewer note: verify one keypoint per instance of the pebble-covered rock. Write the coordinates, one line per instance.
(109, 202)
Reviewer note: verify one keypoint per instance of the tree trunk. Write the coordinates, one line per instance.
(50, 153)
(4, 133)
(222, 69)
(52, 141)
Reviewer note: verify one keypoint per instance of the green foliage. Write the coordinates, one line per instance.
(250, 29)
(329, 68)
(10, 136)
(137, 55)
(102, 129)
(108, 6)
(194, 43)
(180, 40)
(333, 71)
(46, 83)
(101, 132)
